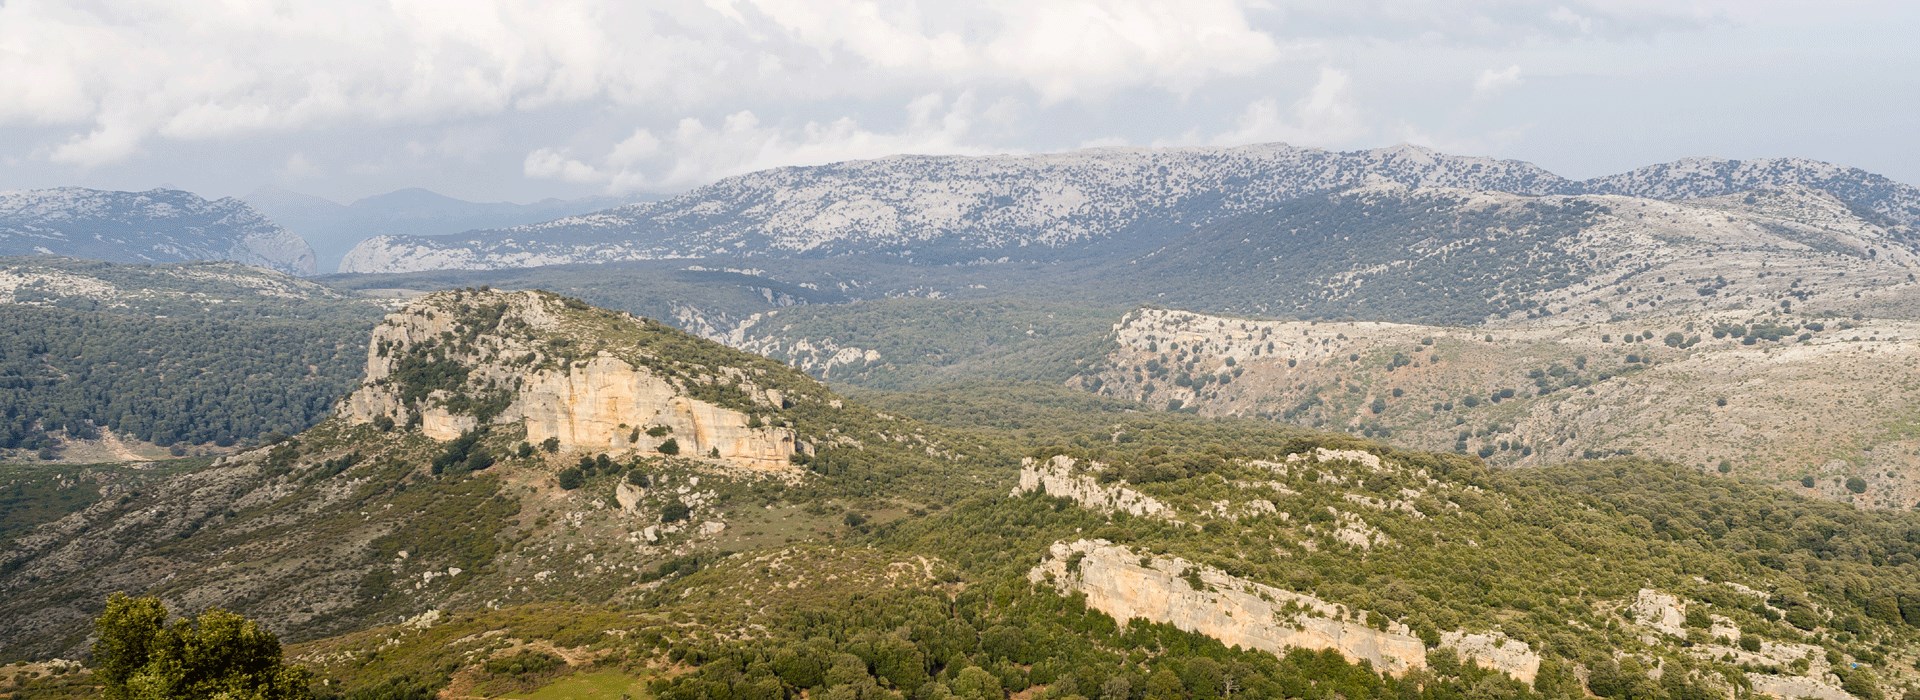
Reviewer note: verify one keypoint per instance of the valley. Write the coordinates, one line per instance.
(1260, 421)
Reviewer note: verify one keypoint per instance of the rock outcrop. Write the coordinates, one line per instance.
(597, 404)
(1240, 613)
(1061, 477)
(1494, 650)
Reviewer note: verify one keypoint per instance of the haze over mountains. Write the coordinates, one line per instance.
(333, 228)
(1103, 202)
(151, 226)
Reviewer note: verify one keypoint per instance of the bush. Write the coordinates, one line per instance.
(572, 478)
(1856, 484)
(525, 663)
(675, 512)
(670, 447)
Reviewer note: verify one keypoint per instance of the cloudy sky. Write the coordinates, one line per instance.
(523, 99)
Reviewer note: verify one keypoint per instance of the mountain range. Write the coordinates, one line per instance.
(153, 226)
(1102, 203)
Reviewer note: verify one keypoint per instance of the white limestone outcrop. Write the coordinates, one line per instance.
(1493, 650)
(1240, 613)
(1061, 477)
(1662, 612)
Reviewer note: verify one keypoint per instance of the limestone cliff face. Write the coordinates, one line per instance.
(597, 404)
(1241, 613)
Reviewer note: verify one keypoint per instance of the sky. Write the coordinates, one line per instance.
(526, 99)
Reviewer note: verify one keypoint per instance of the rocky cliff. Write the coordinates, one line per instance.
(445, 364)
(1240, 613)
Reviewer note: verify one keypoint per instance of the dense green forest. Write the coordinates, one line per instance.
(166, 380)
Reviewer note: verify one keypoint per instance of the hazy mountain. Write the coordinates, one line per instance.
(333, 228)
(949, 208)
(1690, 178)
(1433, 255)
(1104, 202)
(153, 226)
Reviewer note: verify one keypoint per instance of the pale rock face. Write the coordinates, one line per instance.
(1057, 477)
(1127, 586)
(628, 496)
(1495, 651)
(1234, 611)
(586, 407)
(1660, 611)
(1795, 687)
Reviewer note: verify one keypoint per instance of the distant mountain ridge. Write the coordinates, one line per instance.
(159, 225)
(945, 209)
(949, 209)
(1696, 178)
(333, 228)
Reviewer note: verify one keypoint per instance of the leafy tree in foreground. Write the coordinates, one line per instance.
(218, 655)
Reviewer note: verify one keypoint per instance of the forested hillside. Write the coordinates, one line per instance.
(201, 354)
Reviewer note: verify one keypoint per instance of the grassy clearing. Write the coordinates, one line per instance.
(597, 685)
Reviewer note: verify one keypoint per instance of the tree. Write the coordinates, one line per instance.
(127, 631)
(571, 478)
(216, 655)
(976, 683)
(670, 447)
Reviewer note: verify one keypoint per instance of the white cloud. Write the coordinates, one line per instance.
(119, 73)
(553, 164)
(1491, 82)
(1326, 116)
(298, 167)
(697, 152)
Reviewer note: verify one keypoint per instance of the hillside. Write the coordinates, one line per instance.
(145, 227)
(107, 362)
(496, 509)
(1453, 257)
(498, 438)
(1776, 398)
